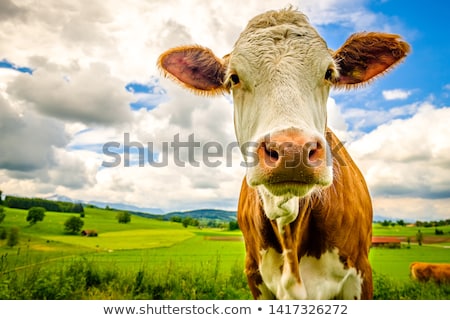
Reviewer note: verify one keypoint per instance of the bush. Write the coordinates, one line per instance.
(73, 224)
(386, 288)
(3, 233)
(13, 237)
(233, 225)
(35, 214)
(123, 217)
(2, 214)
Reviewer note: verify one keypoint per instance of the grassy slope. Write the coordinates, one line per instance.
(155, 243)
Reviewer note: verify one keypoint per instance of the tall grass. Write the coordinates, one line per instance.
(387, 288)
(82, 278)
(86, 279)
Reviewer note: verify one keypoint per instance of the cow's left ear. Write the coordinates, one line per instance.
(366, 55)
(195, 68)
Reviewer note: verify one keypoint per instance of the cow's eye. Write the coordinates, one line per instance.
(329, 75)
(234, 78)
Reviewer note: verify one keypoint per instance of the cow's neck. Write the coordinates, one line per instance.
(281, 209)
(283, 252)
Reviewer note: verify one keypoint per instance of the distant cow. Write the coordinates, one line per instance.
(424, 272)
(89, 233)
(304, 208)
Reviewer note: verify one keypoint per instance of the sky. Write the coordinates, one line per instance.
(85, 113)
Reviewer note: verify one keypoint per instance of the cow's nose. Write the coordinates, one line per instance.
(290, 155)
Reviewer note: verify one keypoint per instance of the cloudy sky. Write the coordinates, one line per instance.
(82, 103)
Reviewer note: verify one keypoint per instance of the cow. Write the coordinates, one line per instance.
(424, 272)
(304, 208)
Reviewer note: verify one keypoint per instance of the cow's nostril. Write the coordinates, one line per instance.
(271, 153)
(314, 152)
(311, 154)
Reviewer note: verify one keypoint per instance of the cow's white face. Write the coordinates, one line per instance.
(280, 78)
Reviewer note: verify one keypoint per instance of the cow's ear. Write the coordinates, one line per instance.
(195, 68)
(367, 55)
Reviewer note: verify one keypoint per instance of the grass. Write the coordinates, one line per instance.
(83, 278)
(404, 232)
(395, 262)
(127, 239)
(152, 259)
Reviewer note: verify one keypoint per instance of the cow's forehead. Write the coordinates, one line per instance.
(285, 33)
(273, 18)
(278, 24)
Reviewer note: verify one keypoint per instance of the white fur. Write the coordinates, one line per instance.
(283, 209)
(323, 278)
(281, 87)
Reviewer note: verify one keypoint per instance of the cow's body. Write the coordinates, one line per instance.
(323, 253)
(424, 272)
(304, 207)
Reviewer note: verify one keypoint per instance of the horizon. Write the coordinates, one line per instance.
(158, 212)
(75, 77)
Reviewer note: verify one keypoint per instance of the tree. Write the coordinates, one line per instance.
(73, 224)
(401, 222)
(2, 214)
(419, 237)
(186, 221)
(35, 214)
(175, 219)
(77, 208)
(386, 223)
(233, 225)
(1, 197)
(3, 233)
(13, 237)
(123, 217)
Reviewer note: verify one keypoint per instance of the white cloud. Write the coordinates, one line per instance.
(90, 95)
(396, 94)
(408, 157)
(411, 208)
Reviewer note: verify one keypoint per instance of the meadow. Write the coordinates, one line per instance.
(153, 259)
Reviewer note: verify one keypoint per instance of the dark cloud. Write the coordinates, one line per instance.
(9, 10)
(27, 139)
(90, 95)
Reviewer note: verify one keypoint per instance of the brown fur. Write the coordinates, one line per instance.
(367, 55)
(437, 272)
(339, 217)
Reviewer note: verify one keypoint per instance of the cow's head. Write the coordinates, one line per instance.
(280, 73)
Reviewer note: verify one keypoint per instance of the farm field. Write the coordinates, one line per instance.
(161, 249)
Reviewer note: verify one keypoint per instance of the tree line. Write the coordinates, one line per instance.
(49, 205)
(418, 223)
(189, 221)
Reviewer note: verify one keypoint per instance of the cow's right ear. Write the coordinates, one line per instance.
(195, 68)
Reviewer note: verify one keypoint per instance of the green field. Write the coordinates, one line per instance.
(162, 255)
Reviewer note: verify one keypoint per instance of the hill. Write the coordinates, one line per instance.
(208, 214)
(127, 207)
(99, 204)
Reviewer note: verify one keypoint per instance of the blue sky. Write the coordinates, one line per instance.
(75, 75)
